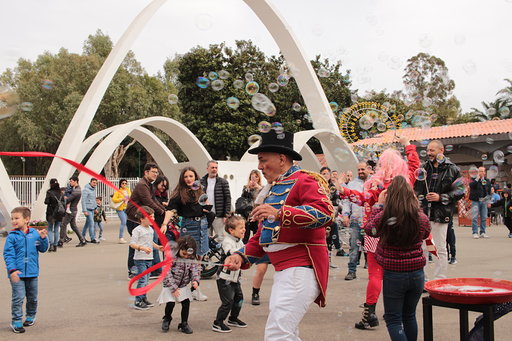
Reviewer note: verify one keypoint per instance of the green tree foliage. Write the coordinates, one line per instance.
(54, 85)
(224, 130)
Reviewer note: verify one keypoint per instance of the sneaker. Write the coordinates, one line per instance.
(510, 235)
(122, 241)
(350, 276)
(81, 244)
(452, 260)
(333, 266)
(255, 299)
(149, 304)
(220, 327)
(103, 238)
(475, 236)
(198, 295)
(29, 321)
(68, 211)
(340, 253)
(94, 241)
(140, 305)
(484, 235)
(17, 327)
(236, 323)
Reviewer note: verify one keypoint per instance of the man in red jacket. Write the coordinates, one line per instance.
(292, 218)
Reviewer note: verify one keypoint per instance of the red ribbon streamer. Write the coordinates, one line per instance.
(165, 264)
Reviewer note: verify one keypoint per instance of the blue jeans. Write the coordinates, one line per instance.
(142, 265)
(156, 255)
(26, 287)
(98, 225)
(478, 208)
(402, 291)
(355, 235)
(89, 224)
(197, 229)
(53, 232)
(123, 218)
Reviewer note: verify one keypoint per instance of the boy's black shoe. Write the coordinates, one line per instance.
(149, 304)
(255, 299)
(235, 322)
(17, 327)
(165, 324)
(220, 327)
(60, 244)
(185, 328)
(29, 321)
(140, 305)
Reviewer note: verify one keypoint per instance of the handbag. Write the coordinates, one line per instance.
(115, 205)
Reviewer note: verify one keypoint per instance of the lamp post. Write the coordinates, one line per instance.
(23, 161)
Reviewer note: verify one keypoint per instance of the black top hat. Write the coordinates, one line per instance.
(272, 142)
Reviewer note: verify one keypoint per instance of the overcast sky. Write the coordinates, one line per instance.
(373, 38)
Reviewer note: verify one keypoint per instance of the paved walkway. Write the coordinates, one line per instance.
(83, 296)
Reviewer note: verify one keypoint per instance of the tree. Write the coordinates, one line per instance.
(52, 87)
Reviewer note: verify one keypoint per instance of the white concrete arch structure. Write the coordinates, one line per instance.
(304, 74)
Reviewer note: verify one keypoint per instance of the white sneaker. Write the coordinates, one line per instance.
(333, 266)
(103, 238)
(198, 295)
(475, 236)
(484, 235)
(122, 241)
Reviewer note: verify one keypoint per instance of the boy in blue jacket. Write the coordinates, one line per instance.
(22, 263)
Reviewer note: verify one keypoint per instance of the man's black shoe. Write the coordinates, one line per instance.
(81, 244)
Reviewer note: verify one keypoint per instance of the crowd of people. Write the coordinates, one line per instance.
(392, 209)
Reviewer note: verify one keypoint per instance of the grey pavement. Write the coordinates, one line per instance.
(83, 296)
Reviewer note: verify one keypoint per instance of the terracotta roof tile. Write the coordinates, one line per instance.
(443, 132)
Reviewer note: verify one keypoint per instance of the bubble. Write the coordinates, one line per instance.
(421, 197)
(238, 84)
(449, 148)
(445, 200)
(334, 106)
(489, 140)
(233, 102)
(249, 77)
(423, 153)
(255, 138)
(434, 176)
(340, 313)
(273, 87)
(440, 158)
(25, 260)
(498, 157)
(469, 67)
(427, 102)
(172, 99)
(264, 127)
(278, 127)
(203, 199)
(283, 80)
(184, 230)
(203, 22)
(420, 174)
(202, 82)
(26, 106)
(504, 112)
(296, 106)
(484, 157)
(213, 75)
(223, 74)
(47, 84)
(400, 117)
(271, 219)
(509, 149)
(261, 103)
(374, 231)
(490, 111)
(391, 221)
(217, 84)
(190, 251)
(366, 122)
(381, 126)
(473, 171)
(424, 142)
(196, 185)
(252, 88)
(323, 72)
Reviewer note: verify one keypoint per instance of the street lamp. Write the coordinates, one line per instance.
(23, 160)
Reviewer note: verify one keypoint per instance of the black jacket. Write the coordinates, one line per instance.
(51, 199)
(222, 196)
(479, 189)
(447, 172)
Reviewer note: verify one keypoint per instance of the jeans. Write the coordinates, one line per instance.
(89, 224)
(231, 296)
(142, 265)
(98, 225)
(450, 239)
(53, 232)
(130, 225)
(197, 229)
(123, 217)
(355, 235)
(156, 256)
(478, 208)
(25, 287)
(402, 291)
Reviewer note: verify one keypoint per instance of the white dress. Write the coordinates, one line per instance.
(166, 295)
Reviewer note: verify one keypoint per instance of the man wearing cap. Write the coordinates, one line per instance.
(292, 219)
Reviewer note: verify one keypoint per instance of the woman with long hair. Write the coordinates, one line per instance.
(401, 226)
(53, 196)
(390, 164)
(120, 200)
(250, 192)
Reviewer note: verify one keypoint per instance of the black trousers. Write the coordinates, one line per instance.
(130, 226)
(450, 239)
(231, 297)
(185, 308)
(333, 238)
(69, 218)
(250, 226)
(508, 223)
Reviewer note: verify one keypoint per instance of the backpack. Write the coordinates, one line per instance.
(60, 210)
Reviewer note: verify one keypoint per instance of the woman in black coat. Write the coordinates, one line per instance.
(53, 216)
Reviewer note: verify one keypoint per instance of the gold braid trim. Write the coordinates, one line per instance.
(319, 178)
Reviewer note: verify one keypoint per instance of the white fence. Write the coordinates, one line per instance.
(27, 189)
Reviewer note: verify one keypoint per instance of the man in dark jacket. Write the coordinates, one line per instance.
(219, 196)
(438, 199)
(479, 194)
(70, 217)
(142, 195)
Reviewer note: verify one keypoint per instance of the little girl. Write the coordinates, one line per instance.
(184, 270)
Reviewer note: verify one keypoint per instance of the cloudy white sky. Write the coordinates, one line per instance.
(373, 38)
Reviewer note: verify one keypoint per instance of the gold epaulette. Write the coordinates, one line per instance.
(319, 178)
